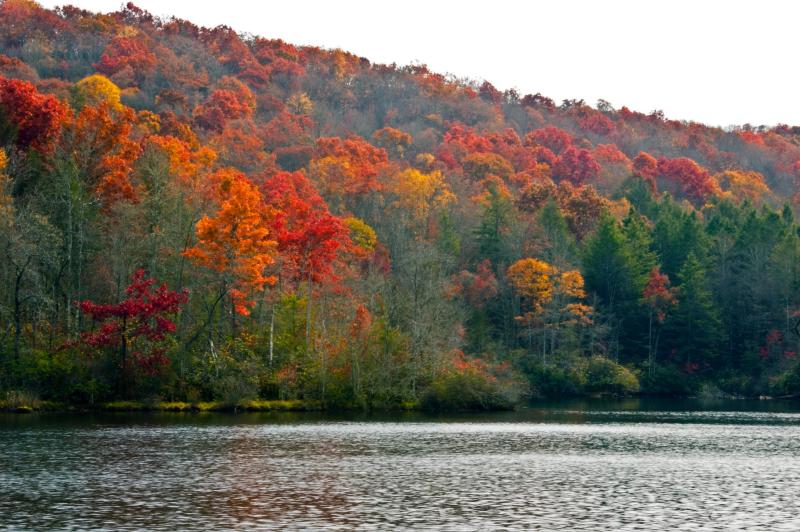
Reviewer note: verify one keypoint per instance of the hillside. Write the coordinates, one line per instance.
(192, 214)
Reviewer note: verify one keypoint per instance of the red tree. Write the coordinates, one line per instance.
(36, 118)
(576, 165)
(597, 123)
(694, 181)
(552, 138)
(126, 53)
(138, 326)
(476, 288)
(308, 235)
(221, 106)
(658, 296)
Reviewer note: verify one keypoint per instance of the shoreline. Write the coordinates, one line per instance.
(299, 405)
(251, 406)
(165, 406)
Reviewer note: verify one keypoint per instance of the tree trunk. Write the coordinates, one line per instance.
(308, 316)
(271, 334)
(17, 315)
(123, 351)
(650, 344)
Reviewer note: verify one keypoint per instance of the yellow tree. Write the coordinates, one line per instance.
(95, 90)
(362, 236)
(742, 185)
(533, 280)
(300, 104)
(550, 300)
(419, 194)
(567, 309)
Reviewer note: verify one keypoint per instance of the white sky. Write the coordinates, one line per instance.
(720, 62)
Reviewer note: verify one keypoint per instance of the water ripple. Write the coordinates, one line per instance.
(616, 471)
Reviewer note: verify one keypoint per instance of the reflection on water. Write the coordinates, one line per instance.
(571, 466)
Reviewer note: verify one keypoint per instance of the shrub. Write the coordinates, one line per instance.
(232, 374)
(594, 375)
(554, 381)
(472, 384)
(21, 401)
(604, 375)
(786, 382)
(669, 380)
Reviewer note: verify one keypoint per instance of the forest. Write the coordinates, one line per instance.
(190, 214)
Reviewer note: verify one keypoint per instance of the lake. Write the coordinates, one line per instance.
(571, 465)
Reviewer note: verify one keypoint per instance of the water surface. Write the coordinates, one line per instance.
(580, 465)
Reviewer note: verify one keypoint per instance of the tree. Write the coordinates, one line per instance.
(576, 166)
(189, 165)
(137, 327)
(692, 180)
(95, 90)
(744, 186)
(532, 279)
(479, 287)
(646, 167)
(29, 250)
(559, 244)
(127, 54)
(675, 234)
(597, 123)
(231, 101)
(28, 119)
(309, 237)
(236, 243)
(552, 299)
(393, 140)
(481, 165)
(616, 263)
(492, 233)
(536, 194)
(347, 167)
(695, 326)
(582, 206)
(420, 194)
(659, 298)
(567, 310)
(554, 139)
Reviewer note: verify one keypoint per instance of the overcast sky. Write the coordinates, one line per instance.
(718, 62)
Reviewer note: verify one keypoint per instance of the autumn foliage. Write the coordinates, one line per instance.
(236, 241)
(368, 235)
(32, 119)
(138, 326)
(126, 54)
(307, 234)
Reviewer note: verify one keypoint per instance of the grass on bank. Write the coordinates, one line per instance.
(22, 402)
(255, 405)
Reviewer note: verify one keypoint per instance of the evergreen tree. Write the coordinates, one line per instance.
(560, 245)
(694, 329)
(616, 265)
(492, 232)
